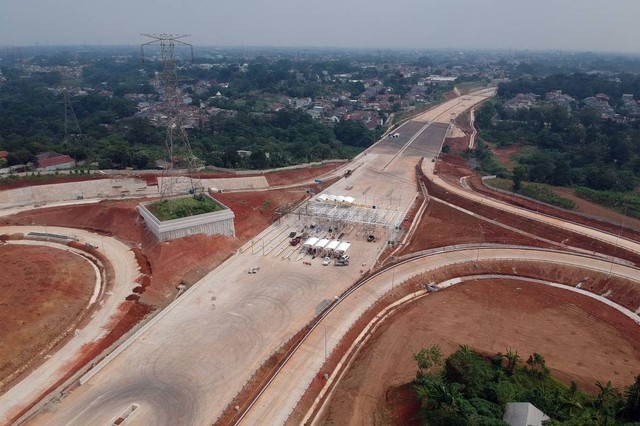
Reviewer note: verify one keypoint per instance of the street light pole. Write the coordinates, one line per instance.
(481, 239)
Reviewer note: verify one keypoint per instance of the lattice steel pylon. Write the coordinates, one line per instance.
(70, 119)
(177, 146)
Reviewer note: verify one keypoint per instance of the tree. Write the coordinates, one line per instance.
(353, 133)
(632, 401)
(537, 365)
(512, 358)
(610, 401)
(428, 358)
(140, 159)
(519, 172)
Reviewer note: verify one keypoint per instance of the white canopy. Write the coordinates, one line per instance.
(311, 241)
(343, 246)
(320, 244)
(341, 199)
(332, 245)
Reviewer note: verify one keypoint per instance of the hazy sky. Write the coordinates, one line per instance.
(533, 24)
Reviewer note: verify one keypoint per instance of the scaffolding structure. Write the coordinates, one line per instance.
(177, 146)
(367, 221)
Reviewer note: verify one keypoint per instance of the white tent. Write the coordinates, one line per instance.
(321, 244)
(343, 247)
(333, 244)
(310, 242)
(337, 199)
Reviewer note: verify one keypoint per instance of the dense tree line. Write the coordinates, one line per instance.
(32, 119)
(468, 388)
(577, 85)
(284, 138)
(565, 147)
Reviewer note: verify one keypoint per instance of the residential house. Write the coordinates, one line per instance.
(558, 98)
(54, 161)
(520, 101)
(601, 104)
(630, 107)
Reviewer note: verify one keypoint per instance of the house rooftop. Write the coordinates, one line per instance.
(55, 161)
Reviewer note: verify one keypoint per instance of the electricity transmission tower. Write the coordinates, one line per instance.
(70, 119)
(177, 146)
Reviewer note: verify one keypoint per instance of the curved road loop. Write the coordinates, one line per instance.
(54, 368)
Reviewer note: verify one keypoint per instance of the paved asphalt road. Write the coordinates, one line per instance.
(185, 366)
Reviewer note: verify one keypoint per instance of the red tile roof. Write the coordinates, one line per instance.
(55, 161)
(4, 154)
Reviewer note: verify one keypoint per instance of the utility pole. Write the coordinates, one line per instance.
(177, 146)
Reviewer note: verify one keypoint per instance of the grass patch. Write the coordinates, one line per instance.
(627, 203)
(178, 208)
(537, 191)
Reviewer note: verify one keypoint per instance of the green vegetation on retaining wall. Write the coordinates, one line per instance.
(540, 192)
(627, 203)
(178, 208)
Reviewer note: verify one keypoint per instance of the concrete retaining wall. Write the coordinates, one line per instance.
(215, 223)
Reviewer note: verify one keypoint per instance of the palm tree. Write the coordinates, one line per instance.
(609, 401)
(571, 399)
(632, 402)
(512, 358)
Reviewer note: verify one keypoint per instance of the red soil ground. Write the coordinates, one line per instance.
(581, 340)
(43, 292)
(46, 180)
(506, 156)
(443, 225)
(458, 145)
(463, 121)
(288, 177)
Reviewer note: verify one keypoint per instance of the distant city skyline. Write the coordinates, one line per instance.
(569, 25)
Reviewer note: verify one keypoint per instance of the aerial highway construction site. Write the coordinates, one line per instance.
(332, 272)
